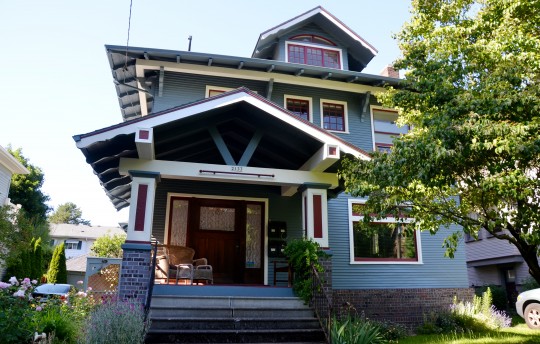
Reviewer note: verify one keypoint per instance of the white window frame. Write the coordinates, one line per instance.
(324, 47)
(308, 99)
(345, 115)
(357, 218)
(371, 110)
(216, 88)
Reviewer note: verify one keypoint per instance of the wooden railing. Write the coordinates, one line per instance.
(322, 304)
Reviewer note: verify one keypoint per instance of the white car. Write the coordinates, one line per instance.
(528, 307)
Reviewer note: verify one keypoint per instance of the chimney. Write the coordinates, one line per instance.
(390, 72)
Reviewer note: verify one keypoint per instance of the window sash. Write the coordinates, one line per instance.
(299, 107)
(314, 56)
(384, 243)
(334, 117)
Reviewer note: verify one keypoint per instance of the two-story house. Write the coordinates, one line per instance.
(78, 239)
(215, 152)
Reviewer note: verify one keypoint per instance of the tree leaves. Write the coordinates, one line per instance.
(472, 98)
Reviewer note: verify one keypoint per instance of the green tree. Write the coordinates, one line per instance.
(25, 189)
(57, 268)
(108, 246)
(471, 97)
(68, 213)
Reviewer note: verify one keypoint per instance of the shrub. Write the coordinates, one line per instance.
(301, 254)
(530, 283)
(55, 319)
(57, 269)
(498, 293)
(16, 311)
(116, 323)
(353, 330)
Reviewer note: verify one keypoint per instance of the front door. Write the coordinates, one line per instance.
(229, 233)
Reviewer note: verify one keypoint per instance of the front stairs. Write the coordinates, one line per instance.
(232, 319)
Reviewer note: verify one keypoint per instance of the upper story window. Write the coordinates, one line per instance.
(385, 128)
(307, 49)
(334, 115)
(300, 106)
(381, 241)
(73, 244)
(215, 90)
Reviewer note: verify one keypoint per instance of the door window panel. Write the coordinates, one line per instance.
(253, 236)
(217, 219)
(179, 222)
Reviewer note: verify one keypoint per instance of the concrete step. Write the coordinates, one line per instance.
(160, 323)
(236, 336)
(232, 319)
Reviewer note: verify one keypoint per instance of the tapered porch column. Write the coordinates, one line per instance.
(136, 261)
(315, 212)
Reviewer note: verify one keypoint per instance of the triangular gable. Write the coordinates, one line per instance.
(357, 45)
(193, 109)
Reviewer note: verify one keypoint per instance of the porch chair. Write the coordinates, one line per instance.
(177, 262)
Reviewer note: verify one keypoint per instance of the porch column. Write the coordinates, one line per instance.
(135, 271)
(315, 212)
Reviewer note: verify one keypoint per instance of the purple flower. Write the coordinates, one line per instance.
(19, 293)
(34, 281)
(4, 285)
(38, 308)
(13, 281)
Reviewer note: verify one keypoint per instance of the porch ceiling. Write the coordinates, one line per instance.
(189, 139)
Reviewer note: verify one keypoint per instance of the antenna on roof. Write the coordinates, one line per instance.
(189, 46)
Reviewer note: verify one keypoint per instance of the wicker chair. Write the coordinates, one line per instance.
(177, 262)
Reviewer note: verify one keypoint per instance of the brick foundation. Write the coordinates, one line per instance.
(403, 306)
(135, 272)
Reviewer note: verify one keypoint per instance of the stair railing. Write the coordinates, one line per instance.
(151, 282)
(322, 304)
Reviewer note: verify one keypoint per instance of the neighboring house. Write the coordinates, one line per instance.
(78, 239)
(8, 167)
(234, 156)
(76, 269)
(491, 261)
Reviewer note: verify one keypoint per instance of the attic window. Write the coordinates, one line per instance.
(312, 39)
(314, 55)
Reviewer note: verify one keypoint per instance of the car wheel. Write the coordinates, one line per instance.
(532, 316)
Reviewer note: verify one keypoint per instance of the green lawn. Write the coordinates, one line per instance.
(517, 334)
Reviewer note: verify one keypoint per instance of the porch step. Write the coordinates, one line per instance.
(232, 319)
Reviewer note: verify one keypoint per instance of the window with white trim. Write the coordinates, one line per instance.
(72, 244)
(383, 240)
(314, 50)
(385, 129)
(334, 115)
(300, 106)
(215, 90)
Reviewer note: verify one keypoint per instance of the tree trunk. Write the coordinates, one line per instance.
(529, 254)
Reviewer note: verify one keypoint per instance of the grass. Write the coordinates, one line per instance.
(519, 333)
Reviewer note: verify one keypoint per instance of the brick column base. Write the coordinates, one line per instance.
(135, 272)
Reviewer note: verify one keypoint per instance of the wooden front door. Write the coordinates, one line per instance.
(229, 233)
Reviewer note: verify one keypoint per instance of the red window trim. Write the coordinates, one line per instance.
(342, 116)
(299, 100)
(360, 259)
(305, 47)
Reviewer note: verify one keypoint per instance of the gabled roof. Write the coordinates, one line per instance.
(358, 47)
(181, 134)
(67, 230)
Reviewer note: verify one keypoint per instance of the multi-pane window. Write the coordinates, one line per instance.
(299, 107)
(384, 240)
(333, 116)
(385, 129)
(314, 56)
(72, 244)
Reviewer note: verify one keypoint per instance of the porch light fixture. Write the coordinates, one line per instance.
(258, 175)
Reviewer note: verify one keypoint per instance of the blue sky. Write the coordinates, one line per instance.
(56, 80)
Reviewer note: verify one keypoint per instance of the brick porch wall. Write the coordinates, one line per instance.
(135, 273)
(403, 306)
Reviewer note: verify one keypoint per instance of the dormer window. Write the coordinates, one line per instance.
(308, 51)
